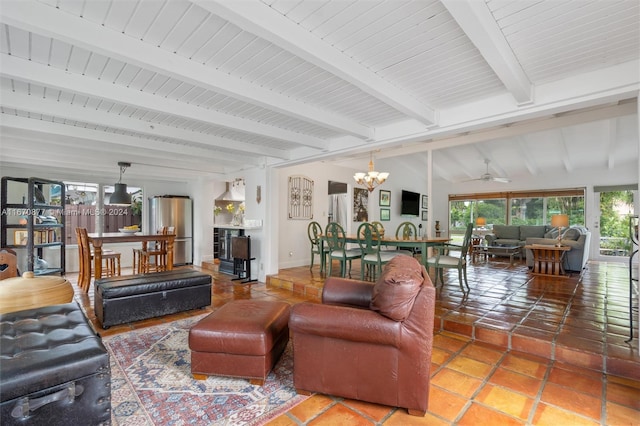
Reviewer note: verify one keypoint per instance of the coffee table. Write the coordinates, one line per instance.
(510, 251)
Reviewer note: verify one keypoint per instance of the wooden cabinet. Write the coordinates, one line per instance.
(33, 223)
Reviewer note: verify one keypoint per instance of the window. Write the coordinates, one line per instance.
(81, 209)
(538, 210)
(524, 208)
(466, 211)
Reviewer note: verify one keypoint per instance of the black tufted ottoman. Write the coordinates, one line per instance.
(120, 300)
(54, 369)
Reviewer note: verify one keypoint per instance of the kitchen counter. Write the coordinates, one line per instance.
(248, 224)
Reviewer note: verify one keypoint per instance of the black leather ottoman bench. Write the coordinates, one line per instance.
(54, 369)
(124, 299)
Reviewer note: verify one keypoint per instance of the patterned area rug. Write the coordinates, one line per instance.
(151, 383)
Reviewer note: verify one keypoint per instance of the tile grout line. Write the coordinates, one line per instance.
(538, 398)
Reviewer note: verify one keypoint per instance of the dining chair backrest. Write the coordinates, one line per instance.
(368, 238)
(84, 258)
(314, 231)
(379, 226)
(406, 231)
(10, 262)
(164, 230)
(335, 236)
(83, 242)
(466, 242)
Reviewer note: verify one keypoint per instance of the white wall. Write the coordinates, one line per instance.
(294, 248)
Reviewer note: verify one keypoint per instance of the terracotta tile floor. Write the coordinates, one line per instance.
(517, 350)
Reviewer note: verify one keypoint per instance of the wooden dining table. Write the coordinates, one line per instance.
(100, 238)
(422, 244)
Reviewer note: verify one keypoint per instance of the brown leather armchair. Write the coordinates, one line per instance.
(370, 342)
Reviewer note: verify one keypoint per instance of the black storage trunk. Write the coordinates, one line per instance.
(124, 299)
(54, 369)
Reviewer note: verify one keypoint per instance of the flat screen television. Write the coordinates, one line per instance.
(410, 204)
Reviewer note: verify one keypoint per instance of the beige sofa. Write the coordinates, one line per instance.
(516, 235)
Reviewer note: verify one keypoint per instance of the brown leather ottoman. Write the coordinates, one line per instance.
(244, 338)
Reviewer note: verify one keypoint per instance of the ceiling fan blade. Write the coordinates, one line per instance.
(501, 179)
(467, 180)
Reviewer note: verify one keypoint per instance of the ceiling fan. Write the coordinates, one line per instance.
(488, 177)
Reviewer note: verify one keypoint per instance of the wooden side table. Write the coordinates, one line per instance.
(547, 260)
(476, 249)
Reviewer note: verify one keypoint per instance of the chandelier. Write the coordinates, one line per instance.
(372, 178)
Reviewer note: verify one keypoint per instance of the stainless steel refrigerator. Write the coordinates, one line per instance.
(176, 211)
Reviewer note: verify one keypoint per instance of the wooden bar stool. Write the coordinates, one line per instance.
(111, 264)
(153, 259)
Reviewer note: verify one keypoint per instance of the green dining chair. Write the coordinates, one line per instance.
(444, 260)
(337, 248)
(372, 256)
(314, 231)
(408, 231)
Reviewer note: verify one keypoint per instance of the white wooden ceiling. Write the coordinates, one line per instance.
(202, 88)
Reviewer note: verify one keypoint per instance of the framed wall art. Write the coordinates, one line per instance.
(385, 198)
(425, 215)
(385, 215)
(360, 205)
(425, 202)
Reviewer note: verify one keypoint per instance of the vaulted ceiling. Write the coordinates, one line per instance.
(203, 88)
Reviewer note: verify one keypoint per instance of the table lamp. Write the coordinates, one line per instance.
(559, 221)
(481, 222)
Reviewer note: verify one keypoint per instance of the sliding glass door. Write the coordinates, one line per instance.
(612, 233)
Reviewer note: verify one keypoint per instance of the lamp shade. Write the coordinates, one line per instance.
(481, 221)
(120, 195)
(560, 220)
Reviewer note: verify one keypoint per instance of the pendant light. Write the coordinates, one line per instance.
(120, 195)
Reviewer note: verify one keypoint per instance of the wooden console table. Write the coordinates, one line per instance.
(547, 260)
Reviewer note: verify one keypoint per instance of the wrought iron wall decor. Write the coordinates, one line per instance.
(300, 197)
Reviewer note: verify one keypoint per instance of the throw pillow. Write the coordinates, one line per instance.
(531, 231)
(571, 234)
(552, 233)
(506, 232)
(396, 289)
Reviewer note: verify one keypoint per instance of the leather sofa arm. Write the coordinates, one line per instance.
(329, 321)
(343, 291)
(490, 238)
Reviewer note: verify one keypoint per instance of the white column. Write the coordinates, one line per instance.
(637, 204)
